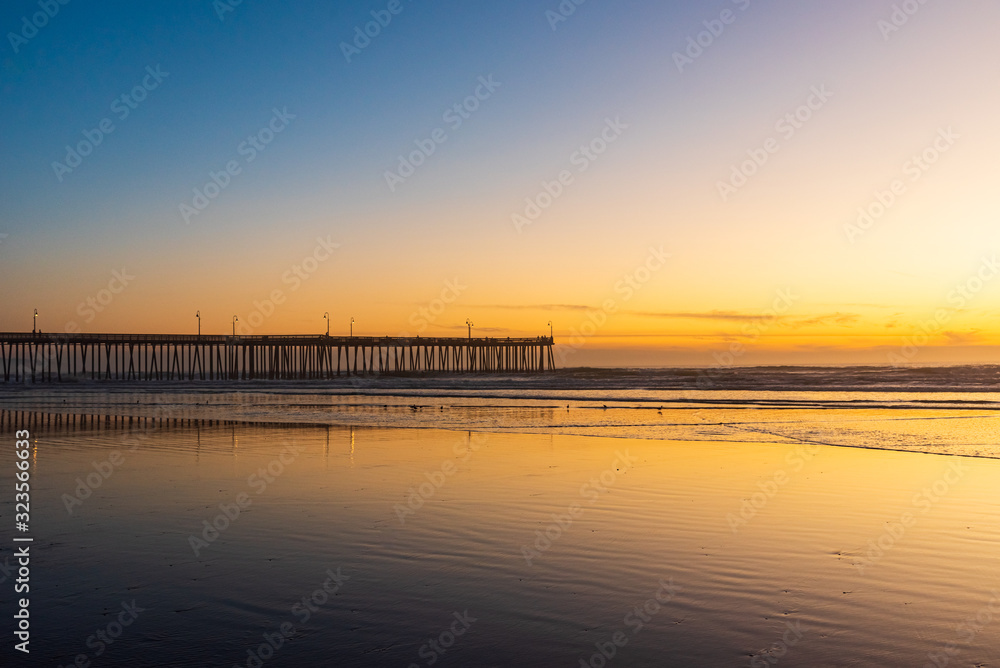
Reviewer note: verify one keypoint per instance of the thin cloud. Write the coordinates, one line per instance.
(731, 316)
(785, 321)
(963, 338)
(492, 330)
(534, 307)
(843, 319)
(855, 305)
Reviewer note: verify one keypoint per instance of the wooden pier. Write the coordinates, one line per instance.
(157, 357)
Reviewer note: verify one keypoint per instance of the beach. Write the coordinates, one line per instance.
(308, 544)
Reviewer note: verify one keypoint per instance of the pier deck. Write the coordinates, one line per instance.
(148, 357)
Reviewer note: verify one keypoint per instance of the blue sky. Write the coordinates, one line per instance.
(324, 174)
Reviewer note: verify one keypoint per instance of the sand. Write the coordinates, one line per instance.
(564, 550)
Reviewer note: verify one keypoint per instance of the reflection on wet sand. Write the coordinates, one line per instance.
(675, 553)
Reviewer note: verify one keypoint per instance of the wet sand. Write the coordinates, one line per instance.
(962, 423)
(479, 549)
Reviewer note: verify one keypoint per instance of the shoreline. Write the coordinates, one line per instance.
(212, 421)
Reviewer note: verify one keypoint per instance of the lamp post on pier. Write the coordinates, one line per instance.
(550, 329)
(471, 325)
(327, 317)
(198, 315)
(34, 322)
(235, 320)
(352, 325)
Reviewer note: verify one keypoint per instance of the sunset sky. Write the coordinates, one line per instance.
(613, 121)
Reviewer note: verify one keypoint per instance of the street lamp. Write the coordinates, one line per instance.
(235, 320)
(471, 325)
(327, 316)
(198, 315)
(34, 322)
(352, 325)
(550, 329)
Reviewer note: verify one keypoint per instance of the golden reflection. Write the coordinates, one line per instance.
(352, 447)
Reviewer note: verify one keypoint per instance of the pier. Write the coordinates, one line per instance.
(50, 358)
